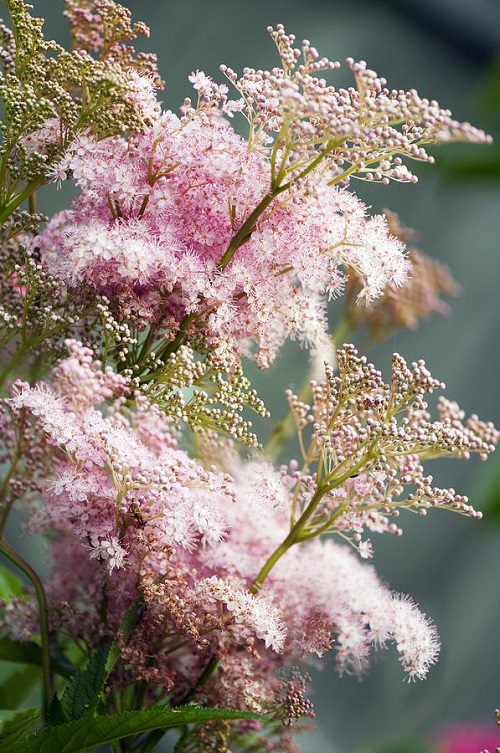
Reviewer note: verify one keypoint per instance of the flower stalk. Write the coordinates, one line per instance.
(36, 582)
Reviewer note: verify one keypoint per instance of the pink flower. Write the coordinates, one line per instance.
(468, 737)
(158, 213)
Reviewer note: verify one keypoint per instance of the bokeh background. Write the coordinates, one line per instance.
(448, 50)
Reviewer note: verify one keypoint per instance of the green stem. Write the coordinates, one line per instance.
(174, 346)
(296, 532)
(246, 229)
(6, 508)
(146, 344)
(33, 577)
(32, 202)
(203, 678)
(238, 240)
(289, 541)
(284, 430)
(343, 331)
(18, 199)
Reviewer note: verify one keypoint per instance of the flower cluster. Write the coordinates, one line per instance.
(363, 130)
(158, 213)
(418, 297)
(50, 94)
(138, 520)
(367, 443)
(178, 569)
(187, 219)
(209, 394)
(104, 29)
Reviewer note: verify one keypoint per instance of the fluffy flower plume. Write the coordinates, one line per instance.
(177, 569)
(134, 509)
(157, 215)
(420, 295)
(336, 603)
(111, 474)
(189, 219)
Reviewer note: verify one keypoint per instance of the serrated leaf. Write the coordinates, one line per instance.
(86, 733)
(86, 685)
(55, 714)
(130, 620)
(85, 688)
(15, 728)
(17, 687)
(10, 584)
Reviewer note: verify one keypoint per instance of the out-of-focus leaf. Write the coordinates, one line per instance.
(21, 653)
(15, 727)
(10, 584)
(487, 494)
(18, 686)
(487, 97)
(30, 653)
(471, 163)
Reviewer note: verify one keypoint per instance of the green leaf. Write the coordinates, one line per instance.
(88, 732)
(55, 714)
(21, 653)
(10, 584)
(17, 687)
(130, 620)
(85, 688)
(31, 653)
(468, 163)
(15, 728)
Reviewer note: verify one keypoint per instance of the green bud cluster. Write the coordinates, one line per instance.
(208, 393)
(50, 94)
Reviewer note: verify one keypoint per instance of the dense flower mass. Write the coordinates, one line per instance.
(157, 214)
(249, 237)
(178, 569)
(139, 520)
(143, 520)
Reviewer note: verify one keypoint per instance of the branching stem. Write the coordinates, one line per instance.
(34, 578)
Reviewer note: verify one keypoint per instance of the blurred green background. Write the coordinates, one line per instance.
(448, 50)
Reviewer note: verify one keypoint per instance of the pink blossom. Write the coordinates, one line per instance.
(157, 214)
(137, 507)
(468, 737)
(249, 612)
